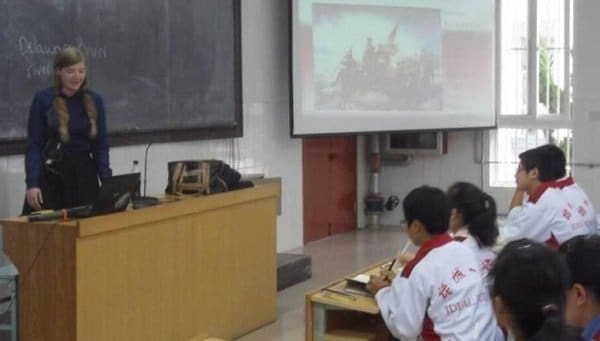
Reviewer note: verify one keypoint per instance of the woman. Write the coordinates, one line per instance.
(529, 287)
(67, 144)
(473, 221)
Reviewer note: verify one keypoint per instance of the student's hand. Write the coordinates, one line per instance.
(404, 258)
(386, 273)
(517, 199)
(34, 198)
(376, 283)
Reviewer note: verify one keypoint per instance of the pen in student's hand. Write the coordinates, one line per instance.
(404, 249)
(392, 264)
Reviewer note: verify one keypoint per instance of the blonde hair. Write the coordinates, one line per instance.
(64, 58)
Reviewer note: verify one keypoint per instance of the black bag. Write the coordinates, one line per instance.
(200, 176)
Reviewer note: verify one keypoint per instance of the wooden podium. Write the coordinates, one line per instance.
(174, 271)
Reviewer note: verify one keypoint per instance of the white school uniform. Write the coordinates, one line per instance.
(440, 295)
(556, 212)
(485, 255)
(586, 214)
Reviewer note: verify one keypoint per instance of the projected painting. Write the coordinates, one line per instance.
(376, 58)
(362, 66)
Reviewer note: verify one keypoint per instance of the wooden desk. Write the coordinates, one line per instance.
(319, 302)
(169, 272)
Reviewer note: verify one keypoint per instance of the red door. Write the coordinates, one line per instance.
(329, 185)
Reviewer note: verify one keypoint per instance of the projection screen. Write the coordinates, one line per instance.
(392, 65)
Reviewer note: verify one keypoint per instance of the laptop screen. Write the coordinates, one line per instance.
(115, 193)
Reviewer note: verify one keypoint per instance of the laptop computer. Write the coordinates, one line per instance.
(114, 196)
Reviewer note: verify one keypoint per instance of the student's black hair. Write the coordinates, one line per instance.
(548, 159)
(477, 209)
(582, 254)
(559, 161)
(430, 206)
(532, 281)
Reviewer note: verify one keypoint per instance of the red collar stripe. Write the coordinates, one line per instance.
(537, 193)
(428, 332)
(552, 242)
(431, 244)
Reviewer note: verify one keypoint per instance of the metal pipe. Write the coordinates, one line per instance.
(374, 200)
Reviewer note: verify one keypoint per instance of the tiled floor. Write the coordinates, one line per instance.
(332, 258)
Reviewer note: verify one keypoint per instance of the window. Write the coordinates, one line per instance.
(510, 142)
(535, 44)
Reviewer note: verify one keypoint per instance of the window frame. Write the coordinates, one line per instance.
(530, 120)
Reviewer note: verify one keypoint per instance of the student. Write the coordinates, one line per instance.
(582, 254)
(529, 286)
(557, 209)
(440, 293)
(67, 148)
(569, 187)
(473, 221)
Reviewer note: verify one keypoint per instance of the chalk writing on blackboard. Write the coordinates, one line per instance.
(167, 69)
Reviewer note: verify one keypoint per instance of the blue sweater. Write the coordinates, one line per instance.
(79, 128)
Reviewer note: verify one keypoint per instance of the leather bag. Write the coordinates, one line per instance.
(200, 177)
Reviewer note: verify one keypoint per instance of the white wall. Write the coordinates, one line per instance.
(265, 148)
(439, 171)
(586, 97)
(459, 164)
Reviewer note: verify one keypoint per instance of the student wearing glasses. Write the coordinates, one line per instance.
(556, 209)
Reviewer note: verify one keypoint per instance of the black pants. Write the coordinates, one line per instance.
(73, 182)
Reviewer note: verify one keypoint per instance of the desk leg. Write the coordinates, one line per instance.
(319, 322)
(14, 311)
(14, 326)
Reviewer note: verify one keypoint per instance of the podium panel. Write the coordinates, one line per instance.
(173, 271)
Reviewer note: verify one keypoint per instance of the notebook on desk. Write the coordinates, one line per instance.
(114, 196)
(358, 284)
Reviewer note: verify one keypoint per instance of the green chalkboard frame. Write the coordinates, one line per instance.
(19, 145)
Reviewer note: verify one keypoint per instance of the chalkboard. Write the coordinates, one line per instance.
(167, 69)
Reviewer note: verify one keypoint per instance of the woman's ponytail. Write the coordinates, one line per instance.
(483, 225)
(478, 211)
(62, 116)
(92, 114)
(59, 104)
